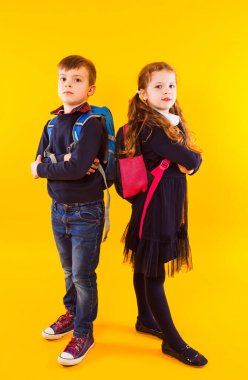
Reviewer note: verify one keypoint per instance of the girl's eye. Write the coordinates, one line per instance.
(78, 80)
(158, 86)
(172, 86)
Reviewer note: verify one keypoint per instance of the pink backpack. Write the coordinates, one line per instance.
(132, 177)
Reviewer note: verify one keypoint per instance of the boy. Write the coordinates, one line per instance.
(77, 204)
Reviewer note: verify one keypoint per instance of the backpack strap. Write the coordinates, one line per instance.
(138, 148)
(124, 131)
(76, 133)
(47, 152)
(107, 206)
(158, 173)
(77, 128)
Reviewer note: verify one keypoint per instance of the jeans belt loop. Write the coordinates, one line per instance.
(55, 205)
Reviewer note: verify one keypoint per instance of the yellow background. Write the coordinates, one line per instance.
(205, 41)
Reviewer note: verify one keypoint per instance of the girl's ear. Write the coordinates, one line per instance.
(92, 90)
(143, 94)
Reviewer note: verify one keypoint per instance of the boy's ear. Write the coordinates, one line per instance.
(92, 90)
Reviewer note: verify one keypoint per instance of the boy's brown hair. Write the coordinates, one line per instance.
(75, 62)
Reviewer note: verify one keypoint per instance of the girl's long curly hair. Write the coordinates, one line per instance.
(140, 114)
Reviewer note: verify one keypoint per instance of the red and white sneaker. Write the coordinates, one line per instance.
(76, 350)
(63, 325)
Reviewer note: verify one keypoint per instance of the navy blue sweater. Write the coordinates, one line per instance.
(156, 146)
(67, 180)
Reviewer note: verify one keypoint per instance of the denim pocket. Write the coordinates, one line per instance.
(90, 215)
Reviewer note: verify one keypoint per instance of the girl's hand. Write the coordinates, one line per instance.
(93, 167)
(67, 157)
(184, 170)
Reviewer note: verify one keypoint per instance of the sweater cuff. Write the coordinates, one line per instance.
(41, 170)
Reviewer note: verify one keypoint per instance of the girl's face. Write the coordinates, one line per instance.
(161, 91)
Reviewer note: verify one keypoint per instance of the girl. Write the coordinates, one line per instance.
(156, 121)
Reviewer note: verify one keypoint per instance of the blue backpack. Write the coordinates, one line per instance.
(104, 114)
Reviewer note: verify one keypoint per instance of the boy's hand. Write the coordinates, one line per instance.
(67, 157)
(184, 170)
(93, 167)
(34, 167)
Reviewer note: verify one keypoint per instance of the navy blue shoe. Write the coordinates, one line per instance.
(197, 361)
(140, 327)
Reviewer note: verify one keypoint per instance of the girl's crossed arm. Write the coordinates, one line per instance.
(162, 145)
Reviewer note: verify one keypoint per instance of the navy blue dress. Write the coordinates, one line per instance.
(165, 230)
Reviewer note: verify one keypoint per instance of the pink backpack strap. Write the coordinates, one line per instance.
(124, 131)
(158, 173)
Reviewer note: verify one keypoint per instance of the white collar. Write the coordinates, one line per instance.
(173, 119)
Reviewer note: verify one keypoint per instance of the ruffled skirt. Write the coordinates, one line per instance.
(165, 230)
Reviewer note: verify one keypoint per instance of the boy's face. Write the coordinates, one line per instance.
(73, 86)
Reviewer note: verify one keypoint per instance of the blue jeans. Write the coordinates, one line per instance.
(77, 229)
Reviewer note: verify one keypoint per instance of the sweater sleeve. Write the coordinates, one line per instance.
(44, 142)
(198, 166)
(82, 156)
(162, 145)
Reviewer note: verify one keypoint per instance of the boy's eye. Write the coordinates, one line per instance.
(62, 79)
(172, 86)
(78, 80)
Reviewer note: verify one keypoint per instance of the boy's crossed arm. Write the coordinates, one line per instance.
(92, 168)
(81, 160)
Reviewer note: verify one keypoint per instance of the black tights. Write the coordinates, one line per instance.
(153, 307)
